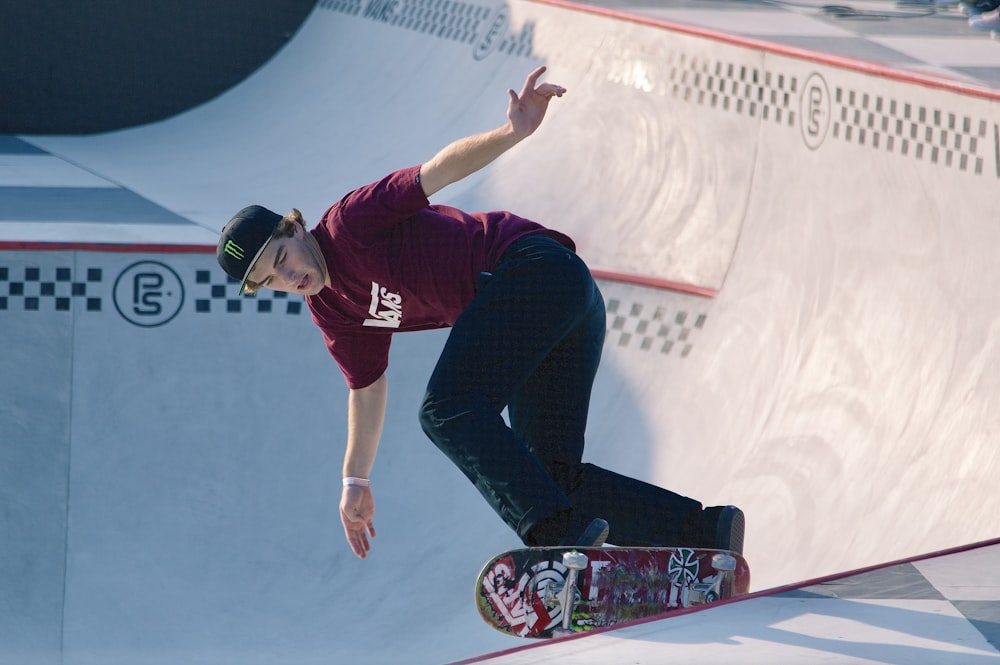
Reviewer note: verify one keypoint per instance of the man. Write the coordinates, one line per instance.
(528, 326)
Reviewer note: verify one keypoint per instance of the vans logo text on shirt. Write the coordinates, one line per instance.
(386, 308)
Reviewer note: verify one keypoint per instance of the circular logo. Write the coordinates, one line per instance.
(148, 294)
(496, 30)
(814, 111)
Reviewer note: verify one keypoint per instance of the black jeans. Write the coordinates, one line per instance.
(531, 342)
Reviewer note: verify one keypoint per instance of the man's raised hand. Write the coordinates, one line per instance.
(527, 109)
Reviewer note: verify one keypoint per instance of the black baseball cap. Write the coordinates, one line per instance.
(244, 239)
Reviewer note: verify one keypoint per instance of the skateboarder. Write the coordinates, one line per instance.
(527, 328)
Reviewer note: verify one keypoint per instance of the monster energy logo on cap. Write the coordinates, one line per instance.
(234, 250)
(244, 239)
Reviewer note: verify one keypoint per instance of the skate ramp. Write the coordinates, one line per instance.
(825, 358)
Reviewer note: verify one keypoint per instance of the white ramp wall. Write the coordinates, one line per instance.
(172, 488)
(170, 480)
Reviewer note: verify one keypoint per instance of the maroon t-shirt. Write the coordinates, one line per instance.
(399, 264)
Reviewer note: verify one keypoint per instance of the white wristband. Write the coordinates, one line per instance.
(360, 482)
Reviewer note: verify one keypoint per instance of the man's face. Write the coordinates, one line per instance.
(292, 264)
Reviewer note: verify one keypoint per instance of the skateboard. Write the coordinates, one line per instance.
(524, 592)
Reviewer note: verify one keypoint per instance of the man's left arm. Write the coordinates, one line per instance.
(525, 112)
(365, 417)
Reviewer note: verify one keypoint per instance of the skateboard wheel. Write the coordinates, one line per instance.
(577, 560)
(724, 562)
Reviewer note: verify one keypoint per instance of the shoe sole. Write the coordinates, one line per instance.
(595, 534)
(729, 534)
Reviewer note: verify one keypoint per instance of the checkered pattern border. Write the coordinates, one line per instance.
(61, 289)
(221, 293)
(910, 130)
(653, 327)
(898, 126)
(641, 326)
(31, 287)
(452, 20)
(735, 88)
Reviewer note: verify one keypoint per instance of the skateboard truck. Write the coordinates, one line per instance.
(689, 592)
(724, 562)
(726, 565)
(574, 562)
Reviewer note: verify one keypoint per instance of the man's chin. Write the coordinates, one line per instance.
(311, 289)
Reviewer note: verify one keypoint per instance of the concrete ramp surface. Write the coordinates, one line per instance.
(798, 255)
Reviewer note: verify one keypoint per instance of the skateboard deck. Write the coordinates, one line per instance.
(523, 592)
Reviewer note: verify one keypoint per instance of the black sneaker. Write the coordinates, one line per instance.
(729, 524)
(586, 532)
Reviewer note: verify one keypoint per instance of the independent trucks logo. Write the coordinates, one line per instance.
(148, 294)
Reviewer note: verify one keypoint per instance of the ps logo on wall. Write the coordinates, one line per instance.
(496, 31)
(814, 111)
(148, 294)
